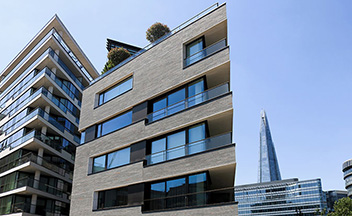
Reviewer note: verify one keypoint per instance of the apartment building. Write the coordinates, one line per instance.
(157, 128)
(40, 104)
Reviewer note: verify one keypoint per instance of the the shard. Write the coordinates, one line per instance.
(268, 165)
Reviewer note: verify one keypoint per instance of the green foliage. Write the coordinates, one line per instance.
(342, 207)
(115, 56)
(156, 31)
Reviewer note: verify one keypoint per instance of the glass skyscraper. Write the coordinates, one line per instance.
(268, 169)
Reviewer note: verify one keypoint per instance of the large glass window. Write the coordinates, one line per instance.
(114, 124)
(113, 198)
(175, 145)
(179, 192)
(116, 90)
(178, 100)
(194, 50)
(111, 160)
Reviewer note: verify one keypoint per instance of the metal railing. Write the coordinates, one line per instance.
(189, 102)
(31, 157)
(196, 199)
(190, 148)
(205, 52)
(177, 29)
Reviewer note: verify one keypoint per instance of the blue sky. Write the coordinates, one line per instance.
(292, 58)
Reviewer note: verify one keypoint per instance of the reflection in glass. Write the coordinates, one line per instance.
(173, 188)
(196, 136)
(175, 145)
(175, 101)
(158, 148)
(194, 51)
(116, 123)
(118, 158)
(99, 163)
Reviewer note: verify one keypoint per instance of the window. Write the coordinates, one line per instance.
(114, 124)
(115, 91)
(172, 193)
(113, 198)
(194, 51)
(111, 160)
(178, 100)
(175, 145)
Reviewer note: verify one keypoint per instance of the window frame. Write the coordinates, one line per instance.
(165, 96)
(106, 160)
(186, 129)
(99, 127)
(187, 44)
(102, 94)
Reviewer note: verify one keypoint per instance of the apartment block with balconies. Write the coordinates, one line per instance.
(157, 128)
(40, 105)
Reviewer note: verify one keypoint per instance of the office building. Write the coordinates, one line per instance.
(333, 196)
(285, 197)
(157, 129)
(347, 176)
(268, 169)
(40, 103)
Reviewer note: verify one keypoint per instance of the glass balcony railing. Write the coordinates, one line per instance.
(72, 56)
(60, 40)
(189, 102)
(30, 157)
(23, 100)
(190, 148)
(66, 69)
(190, 200)
(60, 144)
(27, 57)
(30, 182)
(205, 52)
(74, 94)
(22, 207)
(175, 30)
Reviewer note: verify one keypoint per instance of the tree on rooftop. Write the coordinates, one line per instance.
(116, 56)
(156, 31)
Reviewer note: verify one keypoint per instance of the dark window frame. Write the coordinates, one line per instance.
(99, 127)
(147, 194)
(102, 94)
(106, 160)
(186, 129)
(187, 44)
(165, 96)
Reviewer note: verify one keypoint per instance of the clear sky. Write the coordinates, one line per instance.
(292, 58)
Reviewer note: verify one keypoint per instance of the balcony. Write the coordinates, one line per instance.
(22, 207)
(190, 200)
(60, 145)
(30, 157)
(215, 47)
(30, 182)
(189, 102)
(190, 148)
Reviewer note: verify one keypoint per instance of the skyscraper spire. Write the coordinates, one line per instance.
(268, 169)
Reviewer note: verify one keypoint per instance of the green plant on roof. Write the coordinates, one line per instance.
(115, 57)
(156, 31)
